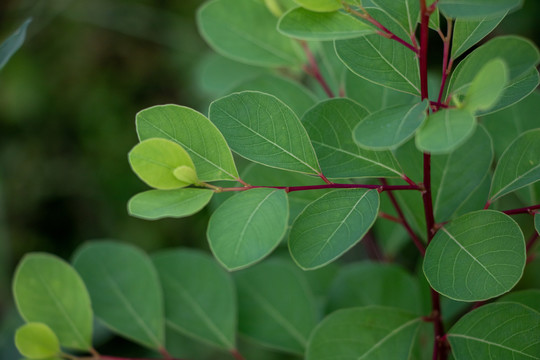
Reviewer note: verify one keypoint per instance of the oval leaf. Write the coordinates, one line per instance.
(263, 129)
(497, 331)
(331, 225)
(445, 130)
(470, 31)
(487, 86)
(364, 333)
(156, 160)
(248, 226)
(129, 301)
(475, 257)
(320, 5)
(199, 296)
(13, 43)
(201, 139)
(391, 127)
(36, 341)
(477, 8)
(329, 125)
(519, 165)
(158, 204)
(40, 287)
(266, 314)
(252, 39)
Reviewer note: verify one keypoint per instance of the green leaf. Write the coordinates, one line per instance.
(457, 176)
(329, 125)
(296, 96)
(520, 56)
(519, 165)
(13, 43)
(263, 129)
(372, 332)
(201, 139)
(331, 225)
(36, 341)
(156, 160)
(49, 290)
(381, 61)
(252, 39)
(158, 204)
(529, 298)
(366, 283)
(477, 8)
(497, 331)
(199, 296)
(275, 305)
(476, 257)
(434, 19)
(125, 290)
(303, 24)
(405, 13)
(467, 32)
(487, 86)
(391, 127)
(537, 222)
(248, 226)
(320, 5)
(445, 130)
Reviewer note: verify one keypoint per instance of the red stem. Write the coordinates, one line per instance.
(524, 210)
(288, 189)
(390, 217)
(313, 70)
(447, 62)
(237, 355)
(531, 241)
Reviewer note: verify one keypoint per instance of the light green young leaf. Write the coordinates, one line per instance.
(252, 39)
(487, 87)
(364, 333)
(381, 61)
(48, 290)
(391, 127)
(158, 204)
(445, 130)
(201, 139)
(248, 226)
(519, 165)
(329, 125)
(199, 296)
(467, 32)
(125, 290)
(529, 298)
(156, 160)
(497, 331)
(13, 43)
(303, 24)
(477, 8)
(296, 96)
(331, 225)
(263, 129)
(275, 305)
(320, 5)
(405, 12)
(36, 341)
(476, 257)
(366, 283)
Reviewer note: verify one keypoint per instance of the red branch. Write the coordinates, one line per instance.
(524, 210)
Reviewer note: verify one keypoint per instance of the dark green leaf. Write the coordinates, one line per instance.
(125, 290)
(467, 32)
(529, 298)
(36, 341)
(13, 43)
(477, 8)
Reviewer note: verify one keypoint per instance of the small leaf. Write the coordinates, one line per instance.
(363, 333)
(329, 125)
(497, 331)
(303, 24)
(125, 290)
(529, 298)
(467, 32)
(252, 39)
(263, 129)
(36, 341)
(41, 286)
(275, 305)
(331, 225)
(156, 160)
(157, 204)
(186, 174)
(13, 43)
(248, 226)
(197, 135)
(487, 86)
(391, 127)
(476, 257)
(445, 130)
(320, 5)
(519, 165)
(477, 8)
(381, 61)
(199, 296)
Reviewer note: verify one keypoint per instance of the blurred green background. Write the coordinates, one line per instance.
(68, 100)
